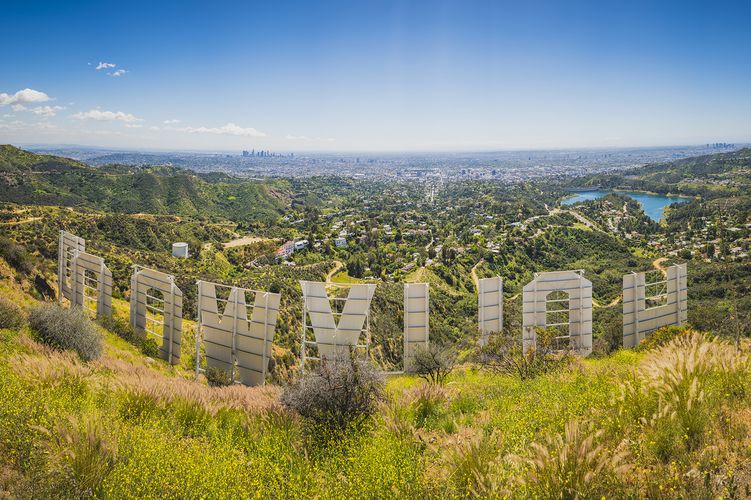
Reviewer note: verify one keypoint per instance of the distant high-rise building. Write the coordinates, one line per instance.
(246, 153)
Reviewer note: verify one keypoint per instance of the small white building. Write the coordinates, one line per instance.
(180, 250)
(340, 242)
(300, 245)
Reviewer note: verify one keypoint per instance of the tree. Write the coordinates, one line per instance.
(433, 363)
(356, 266)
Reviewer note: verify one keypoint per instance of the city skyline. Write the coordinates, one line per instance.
(387, 76)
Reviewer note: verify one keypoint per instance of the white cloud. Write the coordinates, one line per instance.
(133, 125)
(169, 122)
(106, 116)
(105, 65)
(18, 107)
(46, 111)
(228, 129)
(119, 72)
(23, 96)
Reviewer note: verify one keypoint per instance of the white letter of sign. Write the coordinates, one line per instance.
(332, 338)
(143, 315)
(489, 307)
(230, 337)
(638, 320)
(102, 286)
(577, 314)
(69, 244)
(416, 321)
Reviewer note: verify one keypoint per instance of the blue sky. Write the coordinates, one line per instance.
(375, 76)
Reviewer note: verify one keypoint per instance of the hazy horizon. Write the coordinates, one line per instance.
(389, 77)
(62, 146)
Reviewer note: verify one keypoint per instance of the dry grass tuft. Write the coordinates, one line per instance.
(82, 454)
(574, 464)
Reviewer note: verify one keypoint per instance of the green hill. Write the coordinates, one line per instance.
(15, 160)
(710, 176)
(28, 178)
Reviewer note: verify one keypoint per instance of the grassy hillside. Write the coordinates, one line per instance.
(50, 180)
(661, 424)
(710, 176)
(13, 159)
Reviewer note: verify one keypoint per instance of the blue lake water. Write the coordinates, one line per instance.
(652, 204)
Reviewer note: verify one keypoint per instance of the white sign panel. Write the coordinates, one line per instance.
(561, 300)
(416, 320)
(156, 308)
(68, 245)
(640, 319)
(489, 307)
(230, 338)
(336, 338)
(92, 284)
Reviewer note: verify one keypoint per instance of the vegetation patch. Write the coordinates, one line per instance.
(64, 329)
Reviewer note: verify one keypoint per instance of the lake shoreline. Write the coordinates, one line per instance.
(654, 205)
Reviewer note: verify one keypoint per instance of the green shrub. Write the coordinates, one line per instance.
(433, 363)
(149, 347)
(122, 328)
(66, 329)
(428, 404)
(11, 316)
(216, 377)
(662, 336)
(16, 255)
(504, 354)
(340, 393)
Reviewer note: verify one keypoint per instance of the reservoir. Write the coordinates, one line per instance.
(652, 204)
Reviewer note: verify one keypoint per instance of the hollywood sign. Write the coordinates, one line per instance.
(236, 325)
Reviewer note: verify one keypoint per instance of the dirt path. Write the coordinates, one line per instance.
(658, 264)
(245, 240)
(24, 221)
(612, 303)
(338, 265)
(473, 272)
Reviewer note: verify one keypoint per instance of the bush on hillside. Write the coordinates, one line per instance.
(123, 329)
(16, 256)
(216, 377)
(433, 363)
(11, 316)
(663, 336)
(66, 329)
(340, 393)
(504, 353)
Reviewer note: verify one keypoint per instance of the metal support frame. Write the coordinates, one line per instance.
(663, 290)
